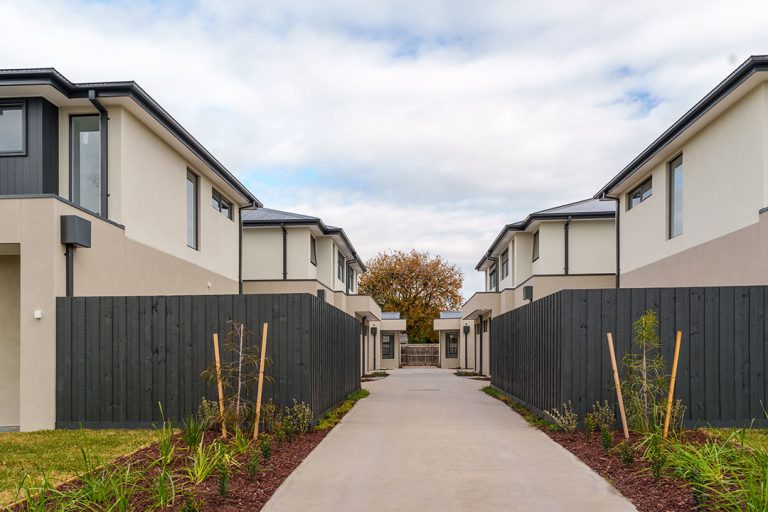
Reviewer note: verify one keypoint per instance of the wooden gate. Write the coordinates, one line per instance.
(420, 354)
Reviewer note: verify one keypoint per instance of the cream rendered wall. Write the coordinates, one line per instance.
(262, 253)
(449, 362)
(551, 249)
(724, 175)
(523, 252)
(10, 303)
(508, 281)
(592, 246)
(147, 193)
(326, 251)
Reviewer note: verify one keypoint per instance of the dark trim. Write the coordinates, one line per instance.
(618, 237)
(566, 230)
(535, 245)
(480, 319)
(196, 247)
(24, 135)
(311, 222)
(762, 210)
(65, 201)
(519, 227)
(70, 270)
(104, 153)
(752, 65)
(130, 89)
(285, 251)
(240, 251)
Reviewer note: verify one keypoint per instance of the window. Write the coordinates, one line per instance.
(452, 344)
(222, 205)
(387, 346)
(493, 282)
(12, 129)
(535, 246)
(313, 250)
(350, 279)
(485, 325)
(505, 264)
(85, 162)
(192, 185)
(676, 197)
(340, 262)
(640, 193)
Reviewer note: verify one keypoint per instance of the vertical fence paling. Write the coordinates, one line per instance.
(117, 357)
(553, 350)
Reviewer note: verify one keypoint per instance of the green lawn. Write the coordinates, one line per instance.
(56, 453)
(753, 437)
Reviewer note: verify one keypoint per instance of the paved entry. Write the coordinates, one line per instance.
(426, 440)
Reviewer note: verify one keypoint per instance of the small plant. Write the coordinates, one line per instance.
(626, 453)
(279, 434)
(209, 414)
(164, 489)
(270, 416)
(254, 463)
(165, 444)
(224, 478)
(604, 415)
(265, 446)
(203, 462)
(191, 503)
(240, 442)
(192, 431)
(333, 417)
(606, 437)
(590, 424)
(566, 420)
(298, 418)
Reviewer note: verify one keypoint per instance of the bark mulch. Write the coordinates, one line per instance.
(635, 482)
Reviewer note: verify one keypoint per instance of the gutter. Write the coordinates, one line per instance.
(285, 251)
(604, 197)
(104, 151)
(566, 231)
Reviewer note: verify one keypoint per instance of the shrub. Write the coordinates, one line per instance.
(606, 436)
(270, 416)
(590, 424)
(224, 478)
(164, 489)
(279, 435)
(298, 417)
(191, 504)
(566, 420)
(209, 414)
(265, 446)
(604, 414)
(254, 463)
(626, 453)
(204, 462)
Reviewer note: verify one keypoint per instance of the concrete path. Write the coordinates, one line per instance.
(426, 440)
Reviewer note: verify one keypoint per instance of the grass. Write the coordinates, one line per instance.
(57, 454)
(531, 418)
(756, 438)
(377, 373)
(333, 417)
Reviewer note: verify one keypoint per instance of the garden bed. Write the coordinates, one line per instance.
(160, 476)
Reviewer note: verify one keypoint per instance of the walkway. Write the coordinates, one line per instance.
(427, 440)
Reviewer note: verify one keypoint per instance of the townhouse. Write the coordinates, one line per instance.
(453, 337)
(102, 192)
(692, 206)
(393, 334)
(568, 246)
(286, 252)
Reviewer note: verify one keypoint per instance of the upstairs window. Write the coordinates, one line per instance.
(221, 205)
(340, 263)
(676, 197)
(493, 281)
(192, 231)
(640, 193)
(535, 246)
(12, 129)
(313, 250)
(350, 279)
(505, 264)
(85, 162)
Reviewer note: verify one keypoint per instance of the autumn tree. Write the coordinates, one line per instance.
(417, 284)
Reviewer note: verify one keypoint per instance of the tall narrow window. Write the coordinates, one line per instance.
(535, 246)
(452, 344)
(505, 264)
(387, 346)
(340, 262)
(85, 162)
(350, 279)
(493, 282)
(192, 216)
(313, 250)
(676, 197)
(12, 130)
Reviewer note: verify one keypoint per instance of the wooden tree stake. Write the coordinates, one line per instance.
(261, 381)
(219, 383)
(670, 398)
(617, 382)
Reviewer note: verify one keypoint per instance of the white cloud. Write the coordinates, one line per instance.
(411, 124)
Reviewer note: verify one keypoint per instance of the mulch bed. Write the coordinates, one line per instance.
(636, 481)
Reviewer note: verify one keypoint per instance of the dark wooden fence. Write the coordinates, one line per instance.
(554, 349)
(117, 358)
(420, 354)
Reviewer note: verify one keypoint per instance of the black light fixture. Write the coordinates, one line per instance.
(75, 232)
(466, 333)
(528, 293)
(374, 330)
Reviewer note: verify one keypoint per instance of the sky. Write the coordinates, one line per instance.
(426, 125)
